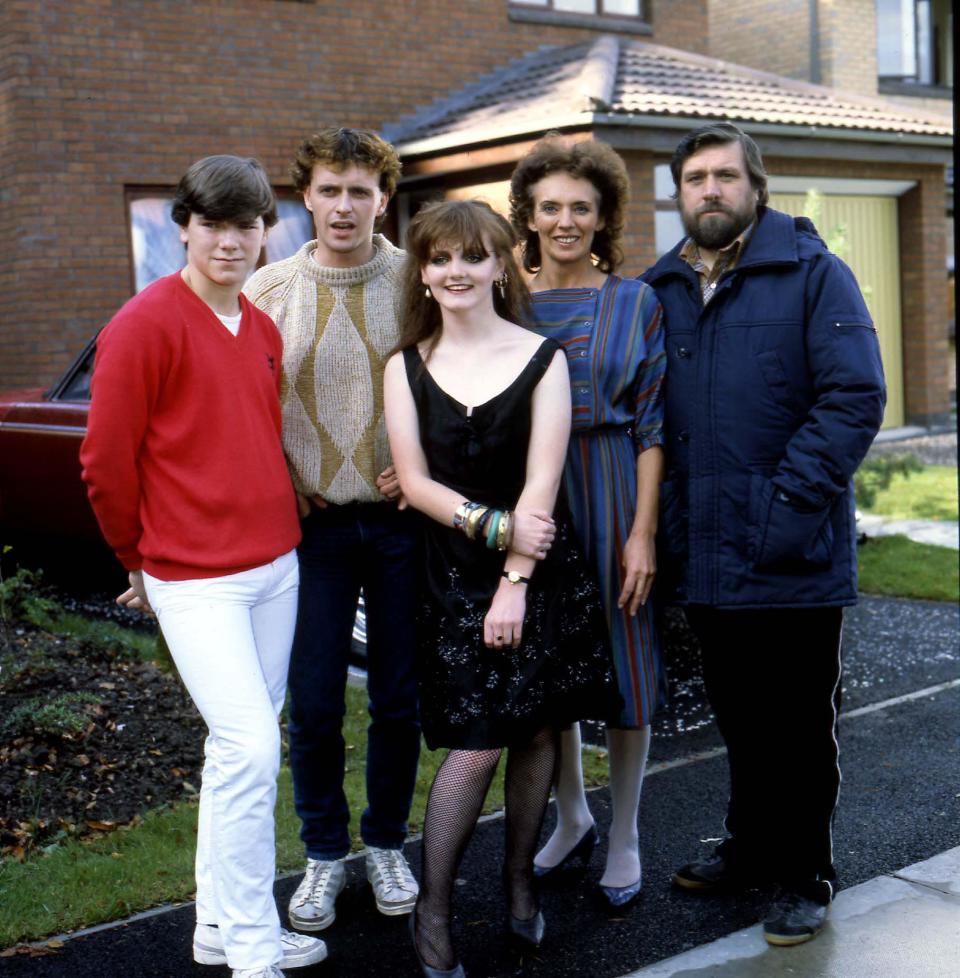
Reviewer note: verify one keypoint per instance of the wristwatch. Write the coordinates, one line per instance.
(514, 578)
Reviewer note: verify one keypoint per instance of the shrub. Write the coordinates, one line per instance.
(64, 715)
(876, 474)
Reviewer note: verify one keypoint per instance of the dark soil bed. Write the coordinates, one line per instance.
(90, 738)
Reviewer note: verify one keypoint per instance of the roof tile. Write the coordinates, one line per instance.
(635, 82)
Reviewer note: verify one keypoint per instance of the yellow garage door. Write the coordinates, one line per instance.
(865, 233)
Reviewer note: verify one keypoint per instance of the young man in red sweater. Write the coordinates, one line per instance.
(186, 474)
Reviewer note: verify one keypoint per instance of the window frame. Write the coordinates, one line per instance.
(527, 12)
(927, 51)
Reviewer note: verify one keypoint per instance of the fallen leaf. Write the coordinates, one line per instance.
(101, 826)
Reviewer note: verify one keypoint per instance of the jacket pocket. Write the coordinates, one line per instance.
(783, 536)
(775, 377)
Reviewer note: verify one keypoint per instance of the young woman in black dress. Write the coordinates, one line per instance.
(512, 639)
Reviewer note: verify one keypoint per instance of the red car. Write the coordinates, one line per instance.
(40, 434)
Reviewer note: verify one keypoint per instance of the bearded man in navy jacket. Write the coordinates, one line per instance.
(774, 393)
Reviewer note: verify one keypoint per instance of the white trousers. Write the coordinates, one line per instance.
(230, 638)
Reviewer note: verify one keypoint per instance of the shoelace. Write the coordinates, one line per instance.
(318, 875)
(393, 869)
(296, 940)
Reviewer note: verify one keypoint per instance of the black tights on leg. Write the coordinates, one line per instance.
(453, 808)
(456, 798)
(529, 777)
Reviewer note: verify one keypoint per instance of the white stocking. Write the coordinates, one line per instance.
(573, 815)
(628, 759)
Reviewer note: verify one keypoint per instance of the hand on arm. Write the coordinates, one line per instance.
(640, 552)
(388, 482)
(533, 533)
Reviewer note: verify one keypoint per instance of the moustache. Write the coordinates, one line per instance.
(714, 209)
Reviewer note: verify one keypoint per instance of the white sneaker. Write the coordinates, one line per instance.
(313, 904)
(394, 887)
(269, 971)
(299, 951)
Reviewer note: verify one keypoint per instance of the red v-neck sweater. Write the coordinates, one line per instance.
(183, 459)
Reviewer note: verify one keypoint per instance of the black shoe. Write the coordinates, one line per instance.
(578, 856)
(529, 932)
(794, 918)
(712, 874)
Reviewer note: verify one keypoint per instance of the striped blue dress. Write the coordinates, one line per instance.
(613, 338)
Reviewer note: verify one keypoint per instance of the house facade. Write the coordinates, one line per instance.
(104, 104)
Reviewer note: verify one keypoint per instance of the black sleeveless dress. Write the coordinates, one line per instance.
(472, 696)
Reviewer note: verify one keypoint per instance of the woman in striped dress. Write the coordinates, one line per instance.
(567, 204)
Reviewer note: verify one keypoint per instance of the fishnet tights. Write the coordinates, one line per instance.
(453, 808)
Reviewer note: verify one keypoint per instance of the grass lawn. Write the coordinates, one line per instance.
(904, 568)
(930, 494)
(78, 884)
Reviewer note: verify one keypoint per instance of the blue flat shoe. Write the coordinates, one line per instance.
(577, 857)
(528, 931)
(620, 896)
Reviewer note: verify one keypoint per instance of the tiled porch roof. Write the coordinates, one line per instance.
(629, 82)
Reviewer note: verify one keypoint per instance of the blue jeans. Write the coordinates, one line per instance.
(344, 548)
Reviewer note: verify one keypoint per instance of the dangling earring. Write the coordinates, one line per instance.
(501, 284)
(427, 292)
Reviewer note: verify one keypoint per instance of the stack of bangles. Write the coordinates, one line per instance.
(478, 522)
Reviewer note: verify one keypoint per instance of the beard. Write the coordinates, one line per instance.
(720, 227)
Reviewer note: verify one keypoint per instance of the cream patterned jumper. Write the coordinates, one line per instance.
(338, 327)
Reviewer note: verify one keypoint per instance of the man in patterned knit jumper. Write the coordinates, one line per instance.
(336, 303)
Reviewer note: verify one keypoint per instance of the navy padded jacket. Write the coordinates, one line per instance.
(774, 393)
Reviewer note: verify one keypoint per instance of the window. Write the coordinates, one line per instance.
(616, 15)
(619, 8)
(915, 42)
(668, 228)
(158, 251)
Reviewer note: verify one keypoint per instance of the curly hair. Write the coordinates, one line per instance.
(339, 147)
(587, 160)
(476, 227)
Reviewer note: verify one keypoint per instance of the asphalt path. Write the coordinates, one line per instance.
(900, 743)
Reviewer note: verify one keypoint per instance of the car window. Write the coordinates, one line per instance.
(77, 385)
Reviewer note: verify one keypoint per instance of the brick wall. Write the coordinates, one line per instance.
(848, 44)
(770, 37)
(926, 353)
(639, 238)
(776, 37)
(100, 95)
